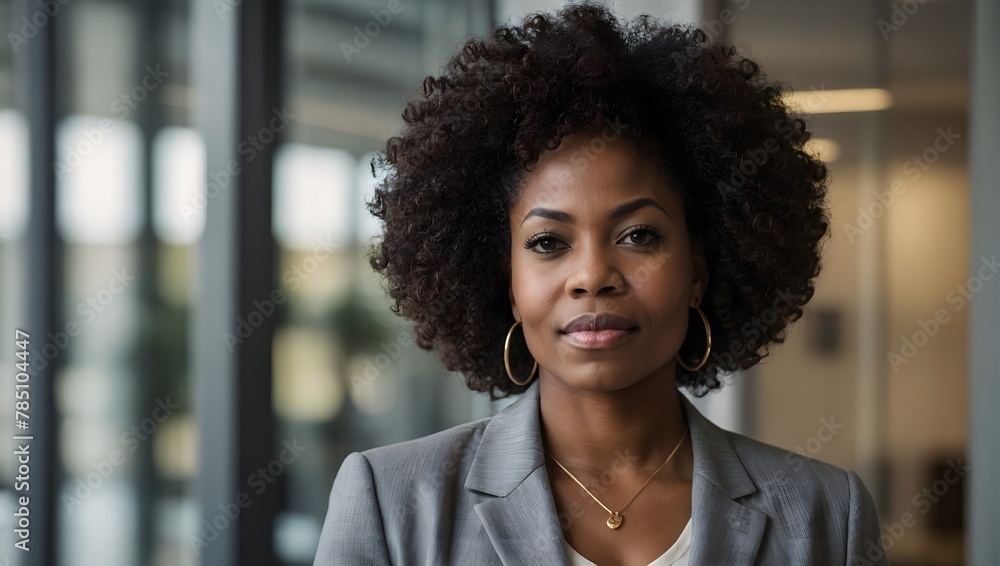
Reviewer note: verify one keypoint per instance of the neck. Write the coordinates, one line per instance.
(594, 431)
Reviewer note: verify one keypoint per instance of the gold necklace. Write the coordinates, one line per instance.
(615, 520)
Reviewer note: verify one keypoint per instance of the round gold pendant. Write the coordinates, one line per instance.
(614, 521)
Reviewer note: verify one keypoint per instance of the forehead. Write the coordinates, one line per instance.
(587, 170)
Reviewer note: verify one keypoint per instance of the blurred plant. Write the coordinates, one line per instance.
(357, 323)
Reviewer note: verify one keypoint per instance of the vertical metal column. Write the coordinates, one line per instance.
(37, 98)
(235, 60)
(872, 334)
(871, 383)
(260, 87)
(150, 16)
(983, 495)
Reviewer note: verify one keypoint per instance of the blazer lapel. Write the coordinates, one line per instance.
(723, 530)
(522, 523)
(521, 520)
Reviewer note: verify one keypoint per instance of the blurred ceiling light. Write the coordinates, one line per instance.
(306, 385)
(13, 174)
(98, 197)
(823, 148)
(372, 384)
(819, 101)
(178, 185)
(312, 195)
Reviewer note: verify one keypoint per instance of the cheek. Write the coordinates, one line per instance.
(663, 287)
(670, 261)
(535, 291)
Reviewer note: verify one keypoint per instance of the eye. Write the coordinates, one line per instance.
(642, 235)
(544, 243)
(636, 236)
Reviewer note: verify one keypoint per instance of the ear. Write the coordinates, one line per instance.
(699, 281)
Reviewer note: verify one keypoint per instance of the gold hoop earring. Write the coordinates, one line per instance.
(708, 346)
(506, 358)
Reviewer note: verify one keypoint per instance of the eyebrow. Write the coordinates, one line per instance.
(620, 210)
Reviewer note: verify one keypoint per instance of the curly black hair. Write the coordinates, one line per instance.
(753, 198)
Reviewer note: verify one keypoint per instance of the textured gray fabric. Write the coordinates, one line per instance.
(478, 494)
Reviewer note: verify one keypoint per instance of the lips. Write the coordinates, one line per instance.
(598, 321)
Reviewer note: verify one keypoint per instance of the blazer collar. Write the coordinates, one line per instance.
(522, 521)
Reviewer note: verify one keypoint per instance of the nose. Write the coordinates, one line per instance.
(594, 271)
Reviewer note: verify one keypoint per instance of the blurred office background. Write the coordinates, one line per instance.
(182, 229)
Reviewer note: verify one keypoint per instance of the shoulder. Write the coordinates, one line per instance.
(810, 500)
(394, 468)
(396, 479)
(395, 504)
(428, 451)
(788, 479)
(817, 509)
(767, 464)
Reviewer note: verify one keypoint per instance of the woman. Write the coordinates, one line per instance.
(595, 213)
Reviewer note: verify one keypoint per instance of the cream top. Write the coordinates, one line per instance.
(676, 555)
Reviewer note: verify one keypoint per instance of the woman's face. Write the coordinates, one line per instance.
(597, 231)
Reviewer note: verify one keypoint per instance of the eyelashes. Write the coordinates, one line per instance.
(536, 239)
(654, 236)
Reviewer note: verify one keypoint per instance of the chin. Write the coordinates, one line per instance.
(598, 377)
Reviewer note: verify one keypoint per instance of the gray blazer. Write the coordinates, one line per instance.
(478, 494)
